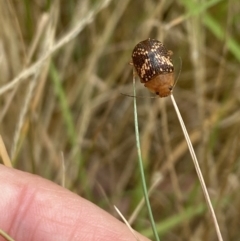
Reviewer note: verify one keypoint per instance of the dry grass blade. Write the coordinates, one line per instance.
(23, 114)
(6, 236)
(198, 170)
(49, 40)
(4, 154)
(142, 202)
(126, 222)
(68, 37)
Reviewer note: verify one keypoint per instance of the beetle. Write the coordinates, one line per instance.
(153, 64)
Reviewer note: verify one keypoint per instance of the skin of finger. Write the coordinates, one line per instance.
(32, 208)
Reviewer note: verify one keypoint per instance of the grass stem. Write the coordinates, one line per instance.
(5, 235)
(145, 192)
(4, 154)
(198, 170)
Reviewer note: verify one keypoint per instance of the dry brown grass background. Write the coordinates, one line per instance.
(64, 65)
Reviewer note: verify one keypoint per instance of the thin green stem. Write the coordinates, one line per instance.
(145, 192)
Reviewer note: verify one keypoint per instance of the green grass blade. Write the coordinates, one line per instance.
(218, 31)
(174, 221)
(140, 162)
(194, 8)
(67, 116)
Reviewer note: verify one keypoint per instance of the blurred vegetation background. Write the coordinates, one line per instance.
(64, 65)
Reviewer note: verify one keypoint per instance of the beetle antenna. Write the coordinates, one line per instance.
(139, 96)
(179, 73)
